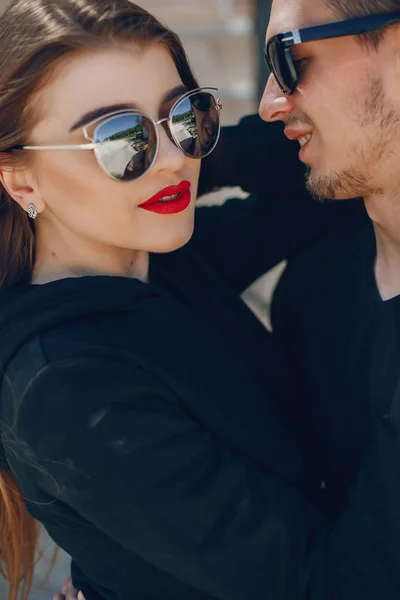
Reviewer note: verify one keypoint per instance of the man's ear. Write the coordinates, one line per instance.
(22, 187)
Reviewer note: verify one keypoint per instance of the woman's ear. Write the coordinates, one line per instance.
(21, 186)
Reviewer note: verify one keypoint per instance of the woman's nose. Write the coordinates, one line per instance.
(275, 105)
(170, 157)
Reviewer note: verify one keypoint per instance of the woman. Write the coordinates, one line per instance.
(139, 396)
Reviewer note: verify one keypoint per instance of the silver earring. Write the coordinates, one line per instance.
(32, 211)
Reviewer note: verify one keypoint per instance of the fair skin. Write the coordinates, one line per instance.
(348, 100)
(89, 224)
(69, 592)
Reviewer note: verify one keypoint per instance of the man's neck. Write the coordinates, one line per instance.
(385, 215)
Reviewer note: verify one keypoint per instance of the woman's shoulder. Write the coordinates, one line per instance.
(61, 322)
(48, 403)
(66, 306)
(96, 331)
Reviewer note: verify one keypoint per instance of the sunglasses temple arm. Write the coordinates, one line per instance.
(69, 147)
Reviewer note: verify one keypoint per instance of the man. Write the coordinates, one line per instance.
(337, 308)
(328, 314)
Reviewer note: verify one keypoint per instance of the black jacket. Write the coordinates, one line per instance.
(144, 424)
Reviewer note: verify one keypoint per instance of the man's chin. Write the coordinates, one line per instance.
(325, 188)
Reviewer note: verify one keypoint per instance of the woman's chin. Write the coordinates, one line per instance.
(173, 242)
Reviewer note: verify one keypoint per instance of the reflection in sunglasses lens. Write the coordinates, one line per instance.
(128, 141)
(201, 101)
(195, 122)
(131, 145)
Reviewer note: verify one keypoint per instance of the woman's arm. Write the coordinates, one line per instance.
(243, 239)
(248, 155)
(165, 488)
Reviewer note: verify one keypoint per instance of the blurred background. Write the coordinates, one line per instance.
(224, 40)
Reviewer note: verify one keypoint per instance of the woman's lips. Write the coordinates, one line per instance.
(169, 201)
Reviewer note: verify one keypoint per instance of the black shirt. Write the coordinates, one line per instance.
(143, 425)
(145, 418)
(344, 341)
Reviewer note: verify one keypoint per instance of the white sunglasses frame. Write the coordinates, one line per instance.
(96, 145)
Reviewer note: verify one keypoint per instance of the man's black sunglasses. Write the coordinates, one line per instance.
(279, 57)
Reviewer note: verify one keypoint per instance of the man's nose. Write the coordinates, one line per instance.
(275, 105)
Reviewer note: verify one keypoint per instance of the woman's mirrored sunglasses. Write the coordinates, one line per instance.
(278, 51)
(126, 142)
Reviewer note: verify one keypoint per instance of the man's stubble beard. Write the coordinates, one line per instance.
(353, 181)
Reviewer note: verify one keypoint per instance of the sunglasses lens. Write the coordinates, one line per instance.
(281, 68)
(196, 124)
(130, 148)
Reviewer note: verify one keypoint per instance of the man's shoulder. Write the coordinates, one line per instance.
(348, 244)
(328, 273)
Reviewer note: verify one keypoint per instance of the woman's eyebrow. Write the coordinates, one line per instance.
(100, 112)
(179, 90)
(97, 113)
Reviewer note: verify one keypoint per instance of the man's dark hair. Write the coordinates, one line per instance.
(348, 9)
(358, 8)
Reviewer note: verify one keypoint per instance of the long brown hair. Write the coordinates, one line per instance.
(35, 35)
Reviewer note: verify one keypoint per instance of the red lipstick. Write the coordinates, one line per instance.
(170, 201)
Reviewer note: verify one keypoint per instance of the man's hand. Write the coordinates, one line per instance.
(69, 592)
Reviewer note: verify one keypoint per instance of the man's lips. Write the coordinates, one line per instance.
(168, 193)
(295, 134)
(303, 137)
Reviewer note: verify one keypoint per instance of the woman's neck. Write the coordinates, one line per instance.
(68, 256)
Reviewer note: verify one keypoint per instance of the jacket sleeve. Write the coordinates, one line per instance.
(250, 153)
(151, 477)
(243, 239)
